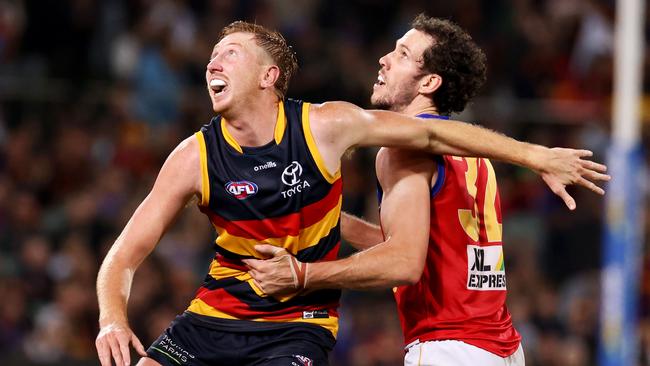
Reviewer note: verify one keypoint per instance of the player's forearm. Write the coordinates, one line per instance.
(113, 287)
(464, 139)
(381, 266)
(361, 234)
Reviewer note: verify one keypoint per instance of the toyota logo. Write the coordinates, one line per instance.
(291, 174)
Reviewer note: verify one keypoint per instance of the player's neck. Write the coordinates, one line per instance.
(254, 123)
(417, 107)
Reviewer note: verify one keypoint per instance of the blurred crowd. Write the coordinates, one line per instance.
(95, 94)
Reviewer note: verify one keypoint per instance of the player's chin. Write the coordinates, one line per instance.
(378, 102)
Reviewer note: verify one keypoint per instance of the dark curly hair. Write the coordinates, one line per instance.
(274, 44)
(456, 58)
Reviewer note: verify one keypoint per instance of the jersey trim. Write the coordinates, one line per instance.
(205, 180)
(280, 124)
(278, 132)
(199, 307)
(311, 144)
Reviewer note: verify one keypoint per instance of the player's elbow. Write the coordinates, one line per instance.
(410, 272)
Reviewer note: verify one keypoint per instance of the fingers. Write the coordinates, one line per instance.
(138, 346)
(566, 197)
(591, 186)
(104, 352)
(592, 165)
(584, 153)
(252, 263)
(115, 351)
(597, 176)
(124, 349)
(269, 250)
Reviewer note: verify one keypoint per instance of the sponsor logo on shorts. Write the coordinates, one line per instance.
(304, 361)
(172, 350)
(241, 189)
(315, 314)
(485, 268)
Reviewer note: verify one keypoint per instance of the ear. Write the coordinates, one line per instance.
(429, 83)
(270, 76)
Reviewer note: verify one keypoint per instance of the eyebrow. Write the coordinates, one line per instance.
(398, 45)
(227, 44)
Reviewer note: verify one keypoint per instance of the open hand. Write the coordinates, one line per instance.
(561, 167)
(113, 340)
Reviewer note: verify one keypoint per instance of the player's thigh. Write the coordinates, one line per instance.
(146, 361)
(449, 352)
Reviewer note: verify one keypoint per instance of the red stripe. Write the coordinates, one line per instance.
(278, 227)
(230, 304)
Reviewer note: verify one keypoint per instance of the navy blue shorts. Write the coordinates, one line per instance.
(191, 340)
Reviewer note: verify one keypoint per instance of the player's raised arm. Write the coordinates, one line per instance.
(341, 125)
(179, 179)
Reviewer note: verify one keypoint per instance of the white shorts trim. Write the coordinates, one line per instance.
(457, 353)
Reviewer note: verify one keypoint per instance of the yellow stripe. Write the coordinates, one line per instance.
(280, 123)
(306, 238)
(199, 307)
(219, 272)
(229, 139)
(311, 143)
(205, 182)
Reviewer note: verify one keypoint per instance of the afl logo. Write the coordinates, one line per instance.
(242, 189)
(291, 174)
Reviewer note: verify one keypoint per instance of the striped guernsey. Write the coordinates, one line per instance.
(280, 194)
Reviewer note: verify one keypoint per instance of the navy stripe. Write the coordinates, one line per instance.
(244, 293)
(324, 246)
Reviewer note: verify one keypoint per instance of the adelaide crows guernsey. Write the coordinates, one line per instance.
(462, 292)
(279, 194)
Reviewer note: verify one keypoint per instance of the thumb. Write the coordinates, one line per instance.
(270, 250)
(138, 346)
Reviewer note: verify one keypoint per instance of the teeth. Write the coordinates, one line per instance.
(381, 80)
(217, 82)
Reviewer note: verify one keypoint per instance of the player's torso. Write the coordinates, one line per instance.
(461, 294)
(275, 194)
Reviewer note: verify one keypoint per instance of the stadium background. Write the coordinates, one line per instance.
(95, 94)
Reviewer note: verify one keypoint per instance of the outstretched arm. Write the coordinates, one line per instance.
(397, 261)
(178, 180)
(559, 167)
(361, 234)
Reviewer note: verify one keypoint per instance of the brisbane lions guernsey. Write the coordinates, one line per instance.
(462, 292)
(280, 194)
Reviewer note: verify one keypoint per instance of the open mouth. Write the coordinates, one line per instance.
(380, 80)
(218, 86)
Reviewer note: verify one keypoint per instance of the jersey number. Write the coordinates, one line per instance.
(469, 219)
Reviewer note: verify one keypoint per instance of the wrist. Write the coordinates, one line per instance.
(535, 157)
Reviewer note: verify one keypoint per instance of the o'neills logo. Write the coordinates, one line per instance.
(241, 189)
(267, 165)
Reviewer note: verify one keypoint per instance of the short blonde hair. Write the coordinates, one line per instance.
(274, 44)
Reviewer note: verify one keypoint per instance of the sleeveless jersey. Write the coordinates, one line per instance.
(462, 292)
(280, 194)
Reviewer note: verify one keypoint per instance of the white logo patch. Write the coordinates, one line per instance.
(486, 270)
(291, 177)
(291, 174)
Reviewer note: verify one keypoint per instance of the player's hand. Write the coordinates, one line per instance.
(113, 342)
(562, 167)
(281, 274)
